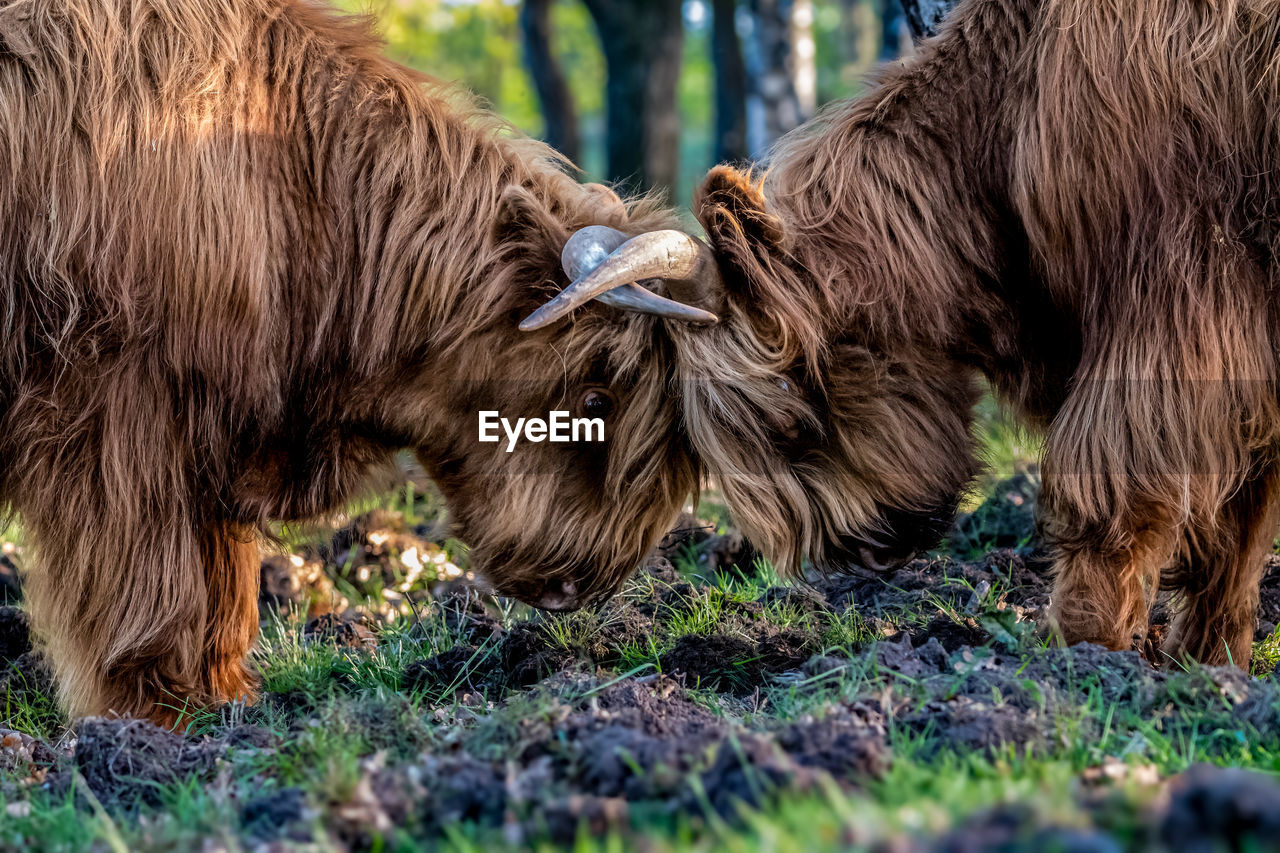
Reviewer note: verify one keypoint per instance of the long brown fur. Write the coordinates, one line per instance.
(244, 259)
(1079, 199)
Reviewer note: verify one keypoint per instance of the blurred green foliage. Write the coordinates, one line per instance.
(476, 43)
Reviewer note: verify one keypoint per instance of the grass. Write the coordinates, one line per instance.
(327, 753)
(924, 793)
(1005, 448)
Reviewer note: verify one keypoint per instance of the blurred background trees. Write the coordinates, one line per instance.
(650, 93)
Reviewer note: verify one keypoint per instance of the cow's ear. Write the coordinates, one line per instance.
(752, 252)
(523, 218)
(732, 208)
(605, 205)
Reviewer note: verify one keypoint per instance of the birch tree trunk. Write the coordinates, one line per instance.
(780, 67)
(923, 16)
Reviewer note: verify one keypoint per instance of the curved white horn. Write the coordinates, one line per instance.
(589, 247)
(671, 255)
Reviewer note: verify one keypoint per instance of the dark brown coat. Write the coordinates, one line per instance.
(243, 259)
(1077, 199)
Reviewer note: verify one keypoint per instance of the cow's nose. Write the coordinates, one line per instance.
(558, 595)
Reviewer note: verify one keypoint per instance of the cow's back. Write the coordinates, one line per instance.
(1147, 126)
(134, 172)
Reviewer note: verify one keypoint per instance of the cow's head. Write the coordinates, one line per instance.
(558, 525)
(827, 448)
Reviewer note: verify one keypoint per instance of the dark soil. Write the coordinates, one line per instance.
(1269, 602)
(1209, 805)
(10, 581)
(15, 633)
(954, 635)
(1007, 519)
(275, 815)
(340, 631)
(125, 762)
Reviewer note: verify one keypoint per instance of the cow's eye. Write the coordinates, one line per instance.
(597, 403)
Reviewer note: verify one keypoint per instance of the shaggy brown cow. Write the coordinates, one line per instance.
(1079, 199)
(244, 258)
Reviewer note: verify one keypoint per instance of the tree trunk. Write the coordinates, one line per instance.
(773, 105)
(923, 16)
(895, 28)
(731, 84)
(804, 51)
(642, 42)
(860, 41)
(558, 112)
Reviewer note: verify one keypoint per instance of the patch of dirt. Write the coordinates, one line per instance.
(657, 707)
(462, 667)
(1214, 808)
(965, 725)
(950, 634)
(563, 819)
(848, 743)
(26, 679)
(15, 633)
(277, 816)
(528, 655)
(737, 662)
(903, 658)
(659, 569)
(1007, 519)
(10, 581)
(801, 598)
(339, 631)
(1019, 827)
(932, 582)
(470, 615)
(749, 770)
(1269, 600)
(460, 788)
(620, 625)
(290, 583)
(247, 736)
(945, 660)
(124, 761)
(714, 662)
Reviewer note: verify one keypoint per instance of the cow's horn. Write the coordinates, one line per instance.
(602, 269)
(588, 249)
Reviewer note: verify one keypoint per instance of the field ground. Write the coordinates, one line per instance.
(709, 707)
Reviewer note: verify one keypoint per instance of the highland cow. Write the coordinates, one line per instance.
(243, 260)
(1078, 200)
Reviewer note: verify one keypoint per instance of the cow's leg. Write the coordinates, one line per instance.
(232, 571)
(123, 620)
(1111, 538)
(151, 626)
(1111, 535)
(1106, 578)
(1168, 412)
(1219, 614)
